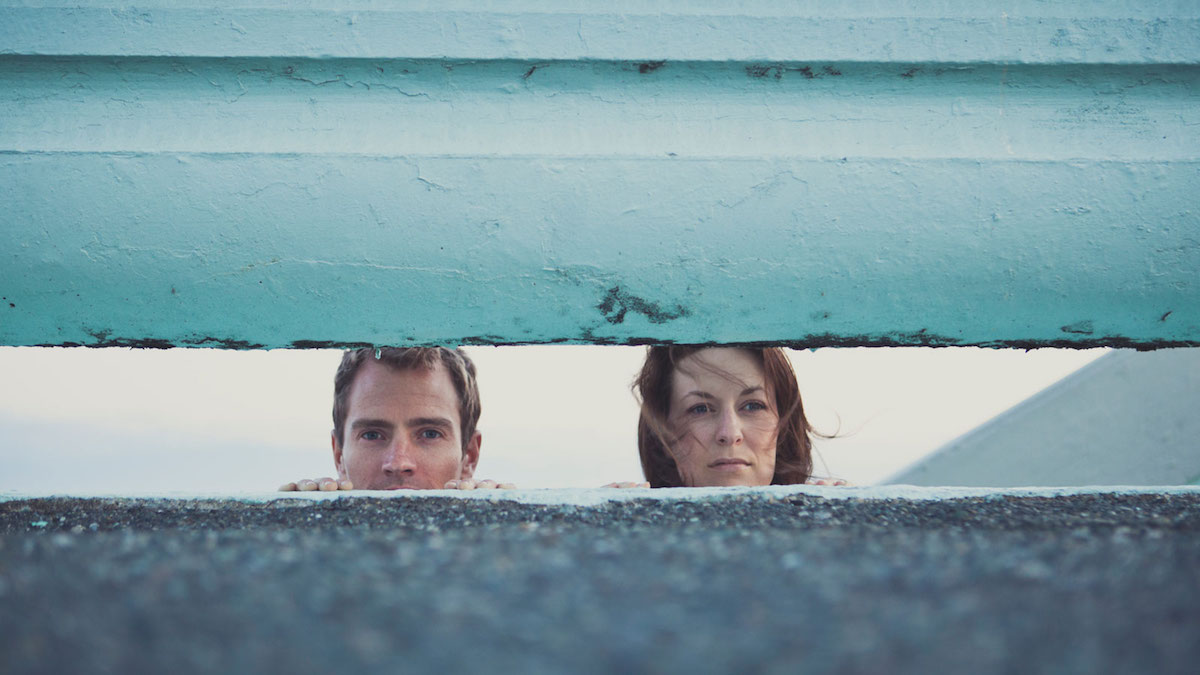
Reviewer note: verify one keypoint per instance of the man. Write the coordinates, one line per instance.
(404, 418)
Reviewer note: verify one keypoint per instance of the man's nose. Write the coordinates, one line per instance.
(399, 458)
(729, 428)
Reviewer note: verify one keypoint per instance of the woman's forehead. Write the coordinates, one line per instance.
(716, 369)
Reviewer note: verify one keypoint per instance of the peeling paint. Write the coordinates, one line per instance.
(133, 343)
(650, 66)
(758, 70)
(617, 303)
(1080, 328)
(588, 336)
(226, 343)
(328, 344)
(777, 71)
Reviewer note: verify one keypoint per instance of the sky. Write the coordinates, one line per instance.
(201, 421)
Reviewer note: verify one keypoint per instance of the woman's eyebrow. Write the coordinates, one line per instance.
(699, 394)
(752, 390)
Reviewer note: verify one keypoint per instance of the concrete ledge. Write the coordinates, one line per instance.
(600, 496)
(785, 506)
(1091, 581)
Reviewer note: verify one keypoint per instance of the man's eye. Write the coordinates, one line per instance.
(430, 434)
(371, 436)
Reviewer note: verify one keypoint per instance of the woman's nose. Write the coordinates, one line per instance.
(729, 428)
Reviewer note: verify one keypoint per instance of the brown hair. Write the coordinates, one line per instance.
(458, 365)
(793, 448)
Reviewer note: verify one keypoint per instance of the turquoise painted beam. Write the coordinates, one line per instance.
(167, 183)
(969, 31)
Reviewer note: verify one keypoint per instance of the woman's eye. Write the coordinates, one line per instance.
(755, 406)
(698, 409)
(371, 436)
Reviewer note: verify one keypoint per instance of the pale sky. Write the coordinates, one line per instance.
(100, 421)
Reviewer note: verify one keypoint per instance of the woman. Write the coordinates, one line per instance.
(722, 416)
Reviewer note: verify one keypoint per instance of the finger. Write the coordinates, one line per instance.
(506, 486)
(486, 484)
(306, 485)
(327, 484)
(345, 484)
(287, 487)
(466, 484)
(451, 485)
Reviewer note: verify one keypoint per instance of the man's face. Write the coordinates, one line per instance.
(402, 430)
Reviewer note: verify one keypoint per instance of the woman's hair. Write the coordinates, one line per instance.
(793, 448)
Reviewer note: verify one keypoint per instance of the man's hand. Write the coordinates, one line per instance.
(628, 484)
(323, 484)
(472, 484)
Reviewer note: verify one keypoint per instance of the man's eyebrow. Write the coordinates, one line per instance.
(429, 422)
(383, 424)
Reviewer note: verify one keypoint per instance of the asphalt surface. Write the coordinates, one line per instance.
(1075, 584)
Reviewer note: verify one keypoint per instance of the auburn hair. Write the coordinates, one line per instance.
(652, 388)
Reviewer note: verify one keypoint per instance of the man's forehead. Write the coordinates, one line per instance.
(406, 392)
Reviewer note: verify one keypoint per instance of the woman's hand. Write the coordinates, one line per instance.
(323, 484)
(838, 482)
(628, 484)
(472, 484)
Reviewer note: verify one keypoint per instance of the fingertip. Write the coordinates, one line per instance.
(287, 487)
(345, 484)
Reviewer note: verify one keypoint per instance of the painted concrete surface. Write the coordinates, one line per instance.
(247, 176)
(1125, 418)
(1022, 31)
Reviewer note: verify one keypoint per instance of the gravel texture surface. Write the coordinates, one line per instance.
(1074, 584)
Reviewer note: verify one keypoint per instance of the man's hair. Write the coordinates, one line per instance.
(793, 446)
(457, 364)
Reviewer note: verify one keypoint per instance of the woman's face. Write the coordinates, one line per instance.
(723, 418)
